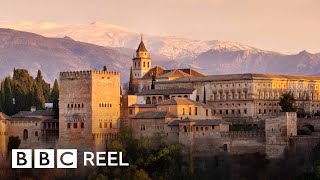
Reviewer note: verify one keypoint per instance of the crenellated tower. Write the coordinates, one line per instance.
(89, 109)
(141, 62)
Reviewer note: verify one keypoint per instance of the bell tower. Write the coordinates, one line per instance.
(141, 62)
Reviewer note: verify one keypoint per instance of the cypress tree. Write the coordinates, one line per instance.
(204, 95)
(23, 85)
(38, 98)
(131, 82)
(105, 68)
(55, 98)
(45, 86)
(8, 101)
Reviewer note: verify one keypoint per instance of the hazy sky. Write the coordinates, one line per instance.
(280, 25)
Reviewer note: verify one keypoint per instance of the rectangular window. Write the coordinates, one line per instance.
(227, 112)
(142, 128)
(245, 111)
(207, 112)
(100, 125)
(130, 111)
(206, 128)
(183, 111)
(220, 111)
(239, 111)
(232, 111)
(82, 125)
(196, 110)
(75, 125)
(197, 128)
(69, 125)
(105, 125)
(190, 111)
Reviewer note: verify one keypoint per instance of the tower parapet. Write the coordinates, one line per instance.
(85, 74)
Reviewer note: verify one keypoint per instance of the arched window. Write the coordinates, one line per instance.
(25, 134)
(148, 101)
(148, 64)
(160, 99)
(154, 100)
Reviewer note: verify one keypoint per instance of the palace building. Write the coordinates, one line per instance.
(250, 95)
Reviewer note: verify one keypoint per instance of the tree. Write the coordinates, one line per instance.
(8, 97)
(55, 98)
(45, 86)
(131, 88)
(204, 95)
(23, 85)
(38, 98)
(105, 68)
(287, 102)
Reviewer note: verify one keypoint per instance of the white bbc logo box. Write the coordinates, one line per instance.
(44, 158)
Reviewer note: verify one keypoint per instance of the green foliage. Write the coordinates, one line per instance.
(145, 162)
(287, 102)
(8, 97)
(131, 86)
(304, 131)
(23, 91)
(38, 99)
(54, 96)
(301, 113)
(43, 85)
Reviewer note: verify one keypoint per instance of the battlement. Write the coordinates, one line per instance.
(85, 74)
(243, 134)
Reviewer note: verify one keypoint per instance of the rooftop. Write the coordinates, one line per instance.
(167, 91)
(143, 105)
(205, 122)
(249, 76)
(181, 101)
(160, 72)
(35, 113)
(154, 115)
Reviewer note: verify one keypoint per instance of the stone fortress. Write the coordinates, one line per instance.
(178, 105)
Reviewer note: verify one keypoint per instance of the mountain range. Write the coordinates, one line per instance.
(54, 48)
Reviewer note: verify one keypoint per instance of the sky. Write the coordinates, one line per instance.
(286, 26)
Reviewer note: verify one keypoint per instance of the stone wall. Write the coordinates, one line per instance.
(3, 139)
(278, 131)
(89, 109)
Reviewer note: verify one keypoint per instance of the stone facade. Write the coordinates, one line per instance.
(89, 109)
(278, 131)
(251, 95)
(35, 129)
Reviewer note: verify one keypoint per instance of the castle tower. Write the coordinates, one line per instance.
(89, 113)
(141, 61)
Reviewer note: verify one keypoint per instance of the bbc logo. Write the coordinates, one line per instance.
(44, 158)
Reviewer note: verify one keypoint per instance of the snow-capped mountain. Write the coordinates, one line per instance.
(79, 47)
(114, 36)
